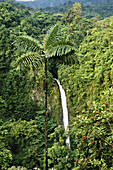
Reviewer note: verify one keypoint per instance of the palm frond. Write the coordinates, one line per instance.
(60, 48)
(31, 60)
(27, 43)
(67, 59)
(51, 36)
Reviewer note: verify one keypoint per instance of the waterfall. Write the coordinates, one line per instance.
(64, 109)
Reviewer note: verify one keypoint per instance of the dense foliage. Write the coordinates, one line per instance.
(88, 82)
(101, 8)
(90, 9)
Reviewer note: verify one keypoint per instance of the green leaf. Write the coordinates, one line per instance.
(30, 61)
(51, 36)
(28, 43)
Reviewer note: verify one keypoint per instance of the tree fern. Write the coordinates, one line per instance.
(27, 43)
(52, 49)
(29, 60)
(59, 48)
(51, 36)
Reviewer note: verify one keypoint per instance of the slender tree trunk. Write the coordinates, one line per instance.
(46, 148)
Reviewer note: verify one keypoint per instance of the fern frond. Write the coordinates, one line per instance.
(27, 43)
(67, 59)
(60, 48)
(51, 36)
(30, 60)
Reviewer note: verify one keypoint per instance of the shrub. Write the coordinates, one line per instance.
(5, 157)
(93, 135)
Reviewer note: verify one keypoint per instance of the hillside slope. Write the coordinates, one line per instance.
(54, 3)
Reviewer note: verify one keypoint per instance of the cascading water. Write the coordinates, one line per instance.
(64, 109)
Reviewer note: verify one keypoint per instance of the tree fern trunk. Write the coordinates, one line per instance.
(46, 149)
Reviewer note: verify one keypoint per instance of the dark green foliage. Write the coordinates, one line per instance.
(60, 156)
(16, 95)
(90, 9)
(87, 81)
(93, 134)
(89, 90)
(51, 125)
(23, 139)
(104, 8)
(93, 73)
(49, 51)
(13, 22)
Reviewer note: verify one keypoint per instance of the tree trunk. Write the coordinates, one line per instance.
(46, 149)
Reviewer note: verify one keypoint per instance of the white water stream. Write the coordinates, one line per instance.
(64, 109)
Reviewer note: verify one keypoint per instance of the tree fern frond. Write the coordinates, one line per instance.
(28, 43)
(61, 42)
(68, 58)
(30, 60)
(60, 48)
(65, 59)
(51, 36)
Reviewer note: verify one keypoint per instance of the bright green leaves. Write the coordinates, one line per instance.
(93, 72)
(51, 36)
(33, 58)
(5, 153)
(59, 48)
(29, 61)
(28, 43)
(93, 130)
(60, 156)
(52, 48)
(5, 157)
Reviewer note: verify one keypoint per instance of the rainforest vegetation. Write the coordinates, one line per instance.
(79, 52)
(90, 8)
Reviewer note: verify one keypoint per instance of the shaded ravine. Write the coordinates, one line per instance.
(64, 110)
